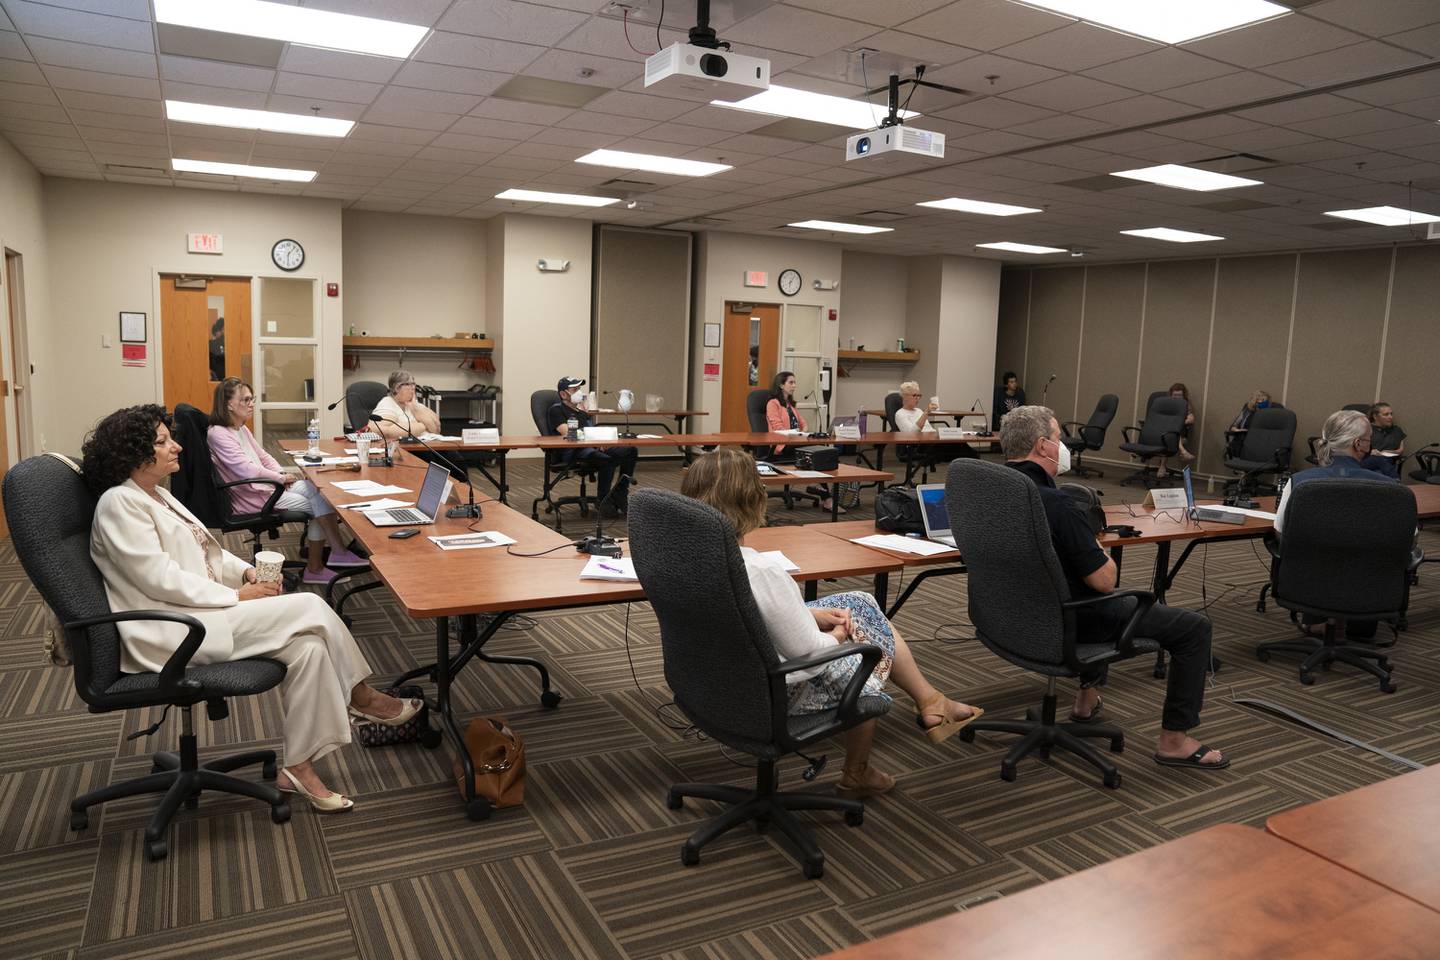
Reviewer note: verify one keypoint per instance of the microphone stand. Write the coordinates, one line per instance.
(627, 435)
(1046, 391)
(977, 405)
(470, 510)
(600, 545)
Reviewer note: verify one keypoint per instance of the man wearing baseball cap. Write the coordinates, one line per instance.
(606, 459)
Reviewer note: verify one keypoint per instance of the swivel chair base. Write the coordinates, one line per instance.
(181, 778)
(1322, 653)
(763, 805)
(1044, 734)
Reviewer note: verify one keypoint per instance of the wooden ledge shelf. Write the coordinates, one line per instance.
(417, 343)
(849, 358)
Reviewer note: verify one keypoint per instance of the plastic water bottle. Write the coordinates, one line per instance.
(572, 428)
(312, 435)
(862, 419)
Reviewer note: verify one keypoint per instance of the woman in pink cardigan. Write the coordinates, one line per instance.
(236, 455)
(780, 414)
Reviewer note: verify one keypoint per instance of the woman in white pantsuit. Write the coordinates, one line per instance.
(154, 555)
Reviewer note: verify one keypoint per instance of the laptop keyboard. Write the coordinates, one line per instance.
(406, 515)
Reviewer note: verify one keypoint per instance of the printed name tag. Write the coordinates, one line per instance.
(1166, 499)
(480, 435)
(847, 432)
(951, 433)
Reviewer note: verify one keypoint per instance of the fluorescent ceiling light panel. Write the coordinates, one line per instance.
(1174, 236)
(1186, 178)
(840, 227)
(977, 206)
(821, 107)
(653, 163)
(540, 196)
(1021, 247)
(1168, 21)
(282, 21)
(242, 170)
(183, 112)
(1385, 216)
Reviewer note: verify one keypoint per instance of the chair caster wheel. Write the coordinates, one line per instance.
(1307, 678)
(430, 738)
(1007, 772)
(550, 699)
(1117, 744)
(1031, 714)
(156, 850)
(79, 820)
(1112, 780)
(477, 809)
(854, 818)
(967, 735)
(762, 824)
(1159, 671)
(688, 856)
(674, 801)
(814, 871)
(1386, 686)
(269, 770)
(280, 812)
(1262, 655)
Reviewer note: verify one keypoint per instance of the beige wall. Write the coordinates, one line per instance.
(873, 311)
(109, 242)
(1318, 330)
(22, 230)
(965, 350)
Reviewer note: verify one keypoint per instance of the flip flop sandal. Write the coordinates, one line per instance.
(1193, 761)
(1094, 717)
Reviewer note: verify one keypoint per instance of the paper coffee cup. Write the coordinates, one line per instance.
(362, 450)
(935, 400)
(267, 565)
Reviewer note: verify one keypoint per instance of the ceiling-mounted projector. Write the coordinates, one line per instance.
(896, 141)
(716, 73)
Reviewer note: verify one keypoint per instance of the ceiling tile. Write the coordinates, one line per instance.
(67, 78)
(326, 88)
(498, 108)
(333, 63)
(212, 73)
(1300, 109)
(683, 133)
(1354, 123)
(463, 50)
(575, 138)
(604, 123)
(220, 96)
(1399, 90)
(41, 20)
(509, 20)
(370, 131)
(584, 68)
(927, 50)
(605, 37)
(1061, 127)
(423, 12)
(12, 47)
(1135, 110)
(724, 118)
(643, 106)
(21, 71)
(451, 80)
(307, 105)
(1078, 46)
(1159, 70)
(991, 75)
(1376, 19)
(797, 31)
(1069, 93)
(868, 11)
(1284, 38)
(995, 113)
(399, 116)
(1235, 89)
(493, 129)
(407, 98)
(1426, 40)
(1347, 63)
(65, 53)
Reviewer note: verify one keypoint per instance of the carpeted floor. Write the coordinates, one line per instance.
(589, 866)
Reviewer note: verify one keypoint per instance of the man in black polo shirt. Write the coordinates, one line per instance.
(1387, 441)
(1030, 437)
(607, 459)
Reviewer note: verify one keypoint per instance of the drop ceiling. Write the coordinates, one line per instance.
(1333, 106)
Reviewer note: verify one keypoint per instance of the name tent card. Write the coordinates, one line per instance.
(848, 431)
(480, 435)
(1166, 499)
(952, 433)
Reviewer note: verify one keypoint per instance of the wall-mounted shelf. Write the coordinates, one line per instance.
(849, 358)
(466, 345)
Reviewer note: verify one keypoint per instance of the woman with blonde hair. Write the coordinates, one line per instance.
(726, 480)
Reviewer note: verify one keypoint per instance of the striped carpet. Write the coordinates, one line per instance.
(589, 866)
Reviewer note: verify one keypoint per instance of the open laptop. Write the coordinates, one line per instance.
(432, 493)
(933, 512)
(1189, 495)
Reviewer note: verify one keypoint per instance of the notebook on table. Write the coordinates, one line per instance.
(432, 493)
(934, 513)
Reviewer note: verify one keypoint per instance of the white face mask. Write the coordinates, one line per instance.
(578, 397)
(1062, 461)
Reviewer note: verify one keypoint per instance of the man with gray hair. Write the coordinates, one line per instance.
(1030, 438)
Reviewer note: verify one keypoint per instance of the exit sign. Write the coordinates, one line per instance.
(204, 243)
(756, 278)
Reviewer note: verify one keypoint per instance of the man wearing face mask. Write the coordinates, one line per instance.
(1030, 438)
(608, 459)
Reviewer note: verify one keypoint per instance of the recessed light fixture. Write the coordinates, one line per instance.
(540, 196)
(282, 21)
(1168, 21)
(821, 107)
(653, 163)
(1186, 178)
(977, 206)
(184, 112)
(1174, 236)
(241, 170)
(1385, 216)
(840, 227)
(1021, 247)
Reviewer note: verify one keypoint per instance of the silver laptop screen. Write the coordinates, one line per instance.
(932, 501)
(432, 490)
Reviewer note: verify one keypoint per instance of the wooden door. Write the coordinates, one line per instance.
(205, 337)
(746, 325)
(7, 392)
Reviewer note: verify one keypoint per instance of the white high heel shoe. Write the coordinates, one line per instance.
(334, 803)
(408, 709)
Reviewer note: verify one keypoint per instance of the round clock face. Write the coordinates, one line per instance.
(288, 254)
(790, 282)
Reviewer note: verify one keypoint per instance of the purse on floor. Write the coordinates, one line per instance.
(381, 735)
(499, 756)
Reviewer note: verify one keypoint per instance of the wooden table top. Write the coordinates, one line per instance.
(818, 555)
(884, 437)
(730, 439)
(1155, 526)
(1227, 892)
(638, 414)
(845, 473)
(1385, 832)
(848, 530)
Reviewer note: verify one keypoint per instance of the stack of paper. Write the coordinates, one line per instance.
(300, 455)
(610, 568)
(901, 544)
(790, 566)
(384, 503)
(472, 541)
(809, 474)
(367, 488)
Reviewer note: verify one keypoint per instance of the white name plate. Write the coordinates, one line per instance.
(952, 433)
(480, 435)
(593, 432)
(1166, 499)
(847, 432)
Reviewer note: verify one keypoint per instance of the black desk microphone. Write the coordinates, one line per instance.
(600, 545)
(470, 510)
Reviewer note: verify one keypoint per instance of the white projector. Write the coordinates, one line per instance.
(891, 142)
(716, 73)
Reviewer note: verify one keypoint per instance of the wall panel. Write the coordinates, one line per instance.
(1114, 296)
(1014, 312)
(1412, 345)
(1054, 337)
(1177, 331)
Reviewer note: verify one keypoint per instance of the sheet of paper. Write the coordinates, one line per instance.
(790, 565)
(1257, 514)
(901, 544)
(325, 461)
(384, 503)
(472, 541)
(367, 488)
(648, 436)
(437, 437)
(809, 474)
(610, 568)
(789, 433)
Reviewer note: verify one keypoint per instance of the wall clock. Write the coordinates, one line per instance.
(789, 282)
(288, 254)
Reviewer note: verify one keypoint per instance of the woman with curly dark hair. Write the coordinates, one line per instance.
(154, 555)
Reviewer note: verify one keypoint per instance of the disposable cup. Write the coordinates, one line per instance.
(267, 565)
(362, 450)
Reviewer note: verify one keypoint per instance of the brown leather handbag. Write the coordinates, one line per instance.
(499, 756)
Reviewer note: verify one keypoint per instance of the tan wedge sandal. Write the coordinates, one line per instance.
(946, 728)
(862, 780)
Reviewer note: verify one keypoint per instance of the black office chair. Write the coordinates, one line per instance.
(1157, 436)
(50, 511)
(1346, 551)
(1313, 457)
(1427, 464)
(559, 466)
(755, 403)
(1090, 435)
(360, 400)
(913, 455)
(1265, 449)
(723, 670)
(1022, 611)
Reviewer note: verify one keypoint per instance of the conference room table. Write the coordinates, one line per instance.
(481, 589)
(1228, 891)
(942, 564)
(829, 479)
(1385, 832)
(648, 418)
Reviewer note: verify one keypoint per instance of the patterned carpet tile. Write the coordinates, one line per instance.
(255, 718)
(44, 740)
(35, 804)
(1096, 844)
(798, 938)
(1237, 801)
(317, 929)
(940, 896)
(44, 893)
(601, 796)
(40, 690)
(579, 727)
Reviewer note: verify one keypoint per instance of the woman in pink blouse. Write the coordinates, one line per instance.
(780, 414)
(237, 455)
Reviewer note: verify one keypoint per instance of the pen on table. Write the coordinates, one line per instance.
(357, 506)
(606, 566)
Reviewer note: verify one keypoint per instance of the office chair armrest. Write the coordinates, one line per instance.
(173, 673)
(1282, 458)
(1125, 643)
(1171, 440)
(1065, 428)
(1272, 544)
(269, 506)
(869, 655)
(1131, 434)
